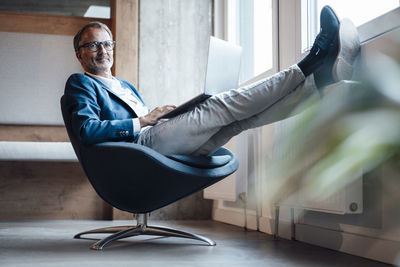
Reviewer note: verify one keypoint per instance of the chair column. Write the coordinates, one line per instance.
(141, 219)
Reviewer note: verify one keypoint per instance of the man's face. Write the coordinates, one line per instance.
(99, 62)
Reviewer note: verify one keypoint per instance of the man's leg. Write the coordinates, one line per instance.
(279, 111)
(184, 134)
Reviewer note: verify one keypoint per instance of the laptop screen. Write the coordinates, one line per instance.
(223, 66)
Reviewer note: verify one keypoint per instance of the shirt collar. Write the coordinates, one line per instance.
(110, 83)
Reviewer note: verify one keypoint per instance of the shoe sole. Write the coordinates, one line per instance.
(348, 48)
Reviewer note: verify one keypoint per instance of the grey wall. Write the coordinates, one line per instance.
(33, 71)
(173, 49)
(172, 61)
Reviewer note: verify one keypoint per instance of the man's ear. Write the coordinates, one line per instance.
(78, 55)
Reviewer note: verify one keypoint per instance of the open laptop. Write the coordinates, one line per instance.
(223, 67)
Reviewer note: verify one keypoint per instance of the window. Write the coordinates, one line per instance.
(359, 11)
(87, 8)
(98, 12)
(249, 24)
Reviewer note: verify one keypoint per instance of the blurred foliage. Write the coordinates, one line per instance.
(351, 130)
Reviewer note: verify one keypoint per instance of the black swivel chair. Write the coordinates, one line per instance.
(139, 180)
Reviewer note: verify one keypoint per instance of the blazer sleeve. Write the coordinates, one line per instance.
(87, 126)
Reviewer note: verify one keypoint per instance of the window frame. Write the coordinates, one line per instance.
(310, 24)
(220, 30)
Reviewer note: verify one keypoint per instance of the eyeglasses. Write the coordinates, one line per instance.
(94, 46)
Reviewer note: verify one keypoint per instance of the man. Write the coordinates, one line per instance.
(105, 108)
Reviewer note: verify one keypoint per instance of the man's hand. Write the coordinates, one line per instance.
(154, 116)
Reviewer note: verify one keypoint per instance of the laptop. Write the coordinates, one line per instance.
(223, 68)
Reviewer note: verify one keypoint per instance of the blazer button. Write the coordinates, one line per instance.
(123, 133)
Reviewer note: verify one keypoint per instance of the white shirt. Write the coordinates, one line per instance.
(128, 96)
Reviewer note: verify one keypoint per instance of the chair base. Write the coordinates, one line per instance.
(120, 232)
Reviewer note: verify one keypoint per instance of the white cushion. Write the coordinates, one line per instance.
(37, 151)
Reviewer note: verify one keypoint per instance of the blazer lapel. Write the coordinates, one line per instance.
(105, 87)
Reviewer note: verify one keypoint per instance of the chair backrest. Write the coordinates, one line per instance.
(67, 121)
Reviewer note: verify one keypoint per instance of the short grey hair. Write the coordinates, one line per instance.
(93, 24)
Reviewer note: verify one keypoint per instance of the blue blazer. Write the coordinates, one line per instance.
(98, 115)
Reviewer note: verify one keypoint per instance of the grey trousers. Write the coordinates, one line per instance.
(214, 122)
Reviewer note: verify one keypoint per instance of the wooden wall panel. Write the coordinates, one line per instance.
(33, 133)
(125, 27)
(48, 190)
(44, 23)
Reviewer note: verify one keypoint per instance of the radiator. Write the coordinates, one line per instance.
(348, 200)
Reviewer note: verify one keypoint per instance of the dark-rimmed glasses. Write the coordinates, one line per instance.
(94, 46)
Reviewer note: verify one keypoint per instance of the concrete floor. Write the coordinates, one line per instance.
(50, 243)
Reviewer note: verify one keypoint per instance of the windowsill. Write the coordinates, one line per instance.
(258, 77)
(380, 25)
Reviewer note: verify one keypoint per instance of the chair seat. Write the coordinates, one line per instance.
(202, 162)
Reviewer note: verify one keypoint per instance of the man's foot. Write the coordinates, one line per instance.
(323, 75)
(323, 43)
(349, 46)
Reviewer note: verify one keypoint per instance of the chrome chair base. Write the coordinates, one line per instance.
(120, 232)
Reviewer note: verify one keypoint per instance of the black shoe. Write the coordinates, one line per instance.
(323, 44)
(323, 75)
